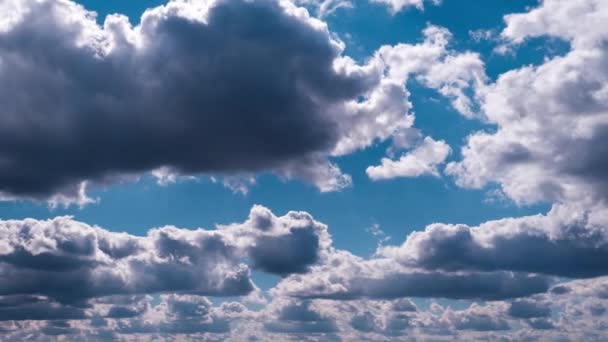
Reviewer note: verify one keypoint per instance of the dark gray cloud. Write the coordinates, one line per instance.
(40, 310)
(227, 86)
(286, 254)
(529, 309)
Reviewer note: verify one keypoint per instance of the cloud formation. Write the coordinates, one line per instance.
(422, 160)
(82, 281)
(566, 242)
(161, 96)
(156, 101)
(198, 87)
(71, 262)
(551, 119)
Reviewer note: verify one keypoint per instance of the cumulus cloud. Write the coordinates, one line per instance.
(160, 96)
(71, 262)
(435, 65)
(422, 160)
(119, 99)
(300, 317)
(83, 282)
(550, 119)
(324, 8)
(399, 5)
(346, 277)
(566, 242)
(76, 280)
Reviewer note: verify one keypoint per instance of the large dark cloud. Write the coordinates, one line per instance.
(226, 86)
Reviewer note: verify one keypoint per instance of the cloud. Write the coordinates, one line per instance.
(399, 5)
(529, 309)
(300, 317)
(551, 119)
(340, 297)
(477, 318)
(160, 96)
(422, 160)
(112, 100)
(325, 8)
(71, 262)
(344, 276)
(567, 242)
(433, 64)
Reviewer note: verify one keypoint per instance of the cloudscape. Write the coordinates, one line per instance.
(303, 170)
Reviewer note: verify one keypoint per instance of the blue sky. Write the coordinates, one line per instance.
(435, 171)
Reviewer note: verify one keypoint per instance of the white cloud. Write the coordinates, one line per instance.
(551, 119)
(422, 160)
(399, 5)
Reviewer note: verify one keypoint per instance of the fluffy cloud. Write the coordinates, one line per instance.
(327, 7)
(344, 276)
(434, 65)
(566, 242)
(398, 5)
(161, 95)
(300, 317)
(197, 87)
(422, 160)
(84, 282)
(551, 119)
(66, 278)
(70, 262)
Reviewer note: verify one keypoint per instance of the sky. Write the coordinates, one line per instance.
(323, 170)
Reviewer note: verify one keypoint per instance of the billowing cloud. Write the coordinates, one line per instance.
(398, 5)
(347, 277)
(70, 262)
(324, 8)
(105, 103)
(197, 87)
(566, 242)
(109, 282)
(299, 317)
(550, 119)
(422, 160)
